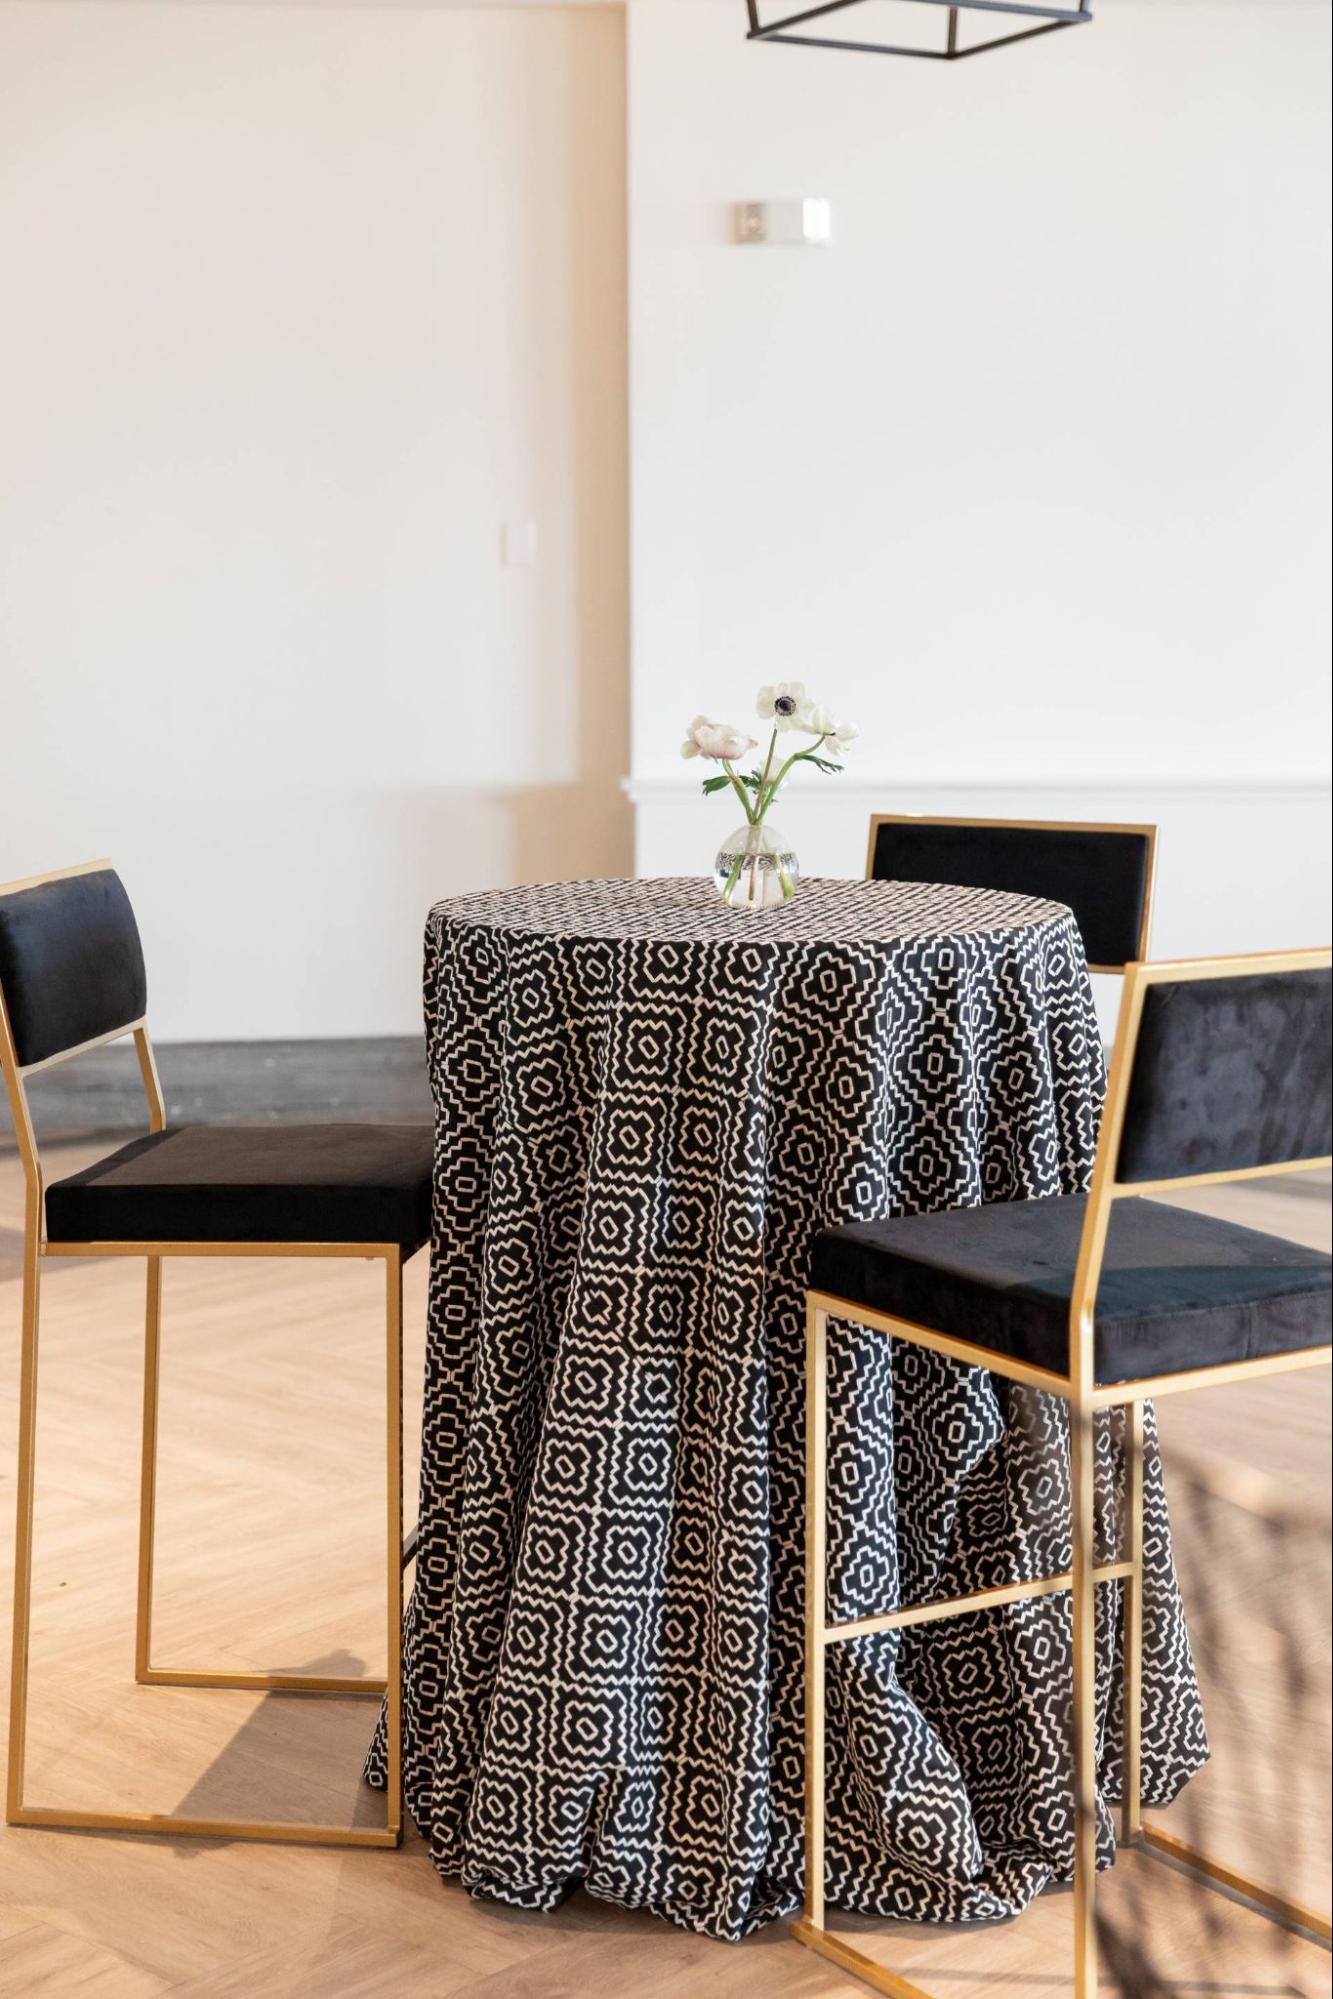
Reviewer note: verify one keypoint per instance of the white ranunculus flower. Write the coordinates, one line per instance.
(724, 741)
(690, 746)
(783, 705)
(720, 740)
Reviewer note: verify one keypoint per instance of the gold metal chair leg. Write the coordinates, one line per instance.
(143, 1622)
(1131, 1794)
(809, 1928)
(816, 1610)
(26, 1488)
(145, 1672)
(1082, 1580)
(1082, 1458)
(393, 1637)
(1134, 1826)
(289, 1832)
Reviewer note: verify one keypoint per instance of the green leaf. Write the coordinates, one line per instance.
(822, 763)
(750, 777)
(712, 784)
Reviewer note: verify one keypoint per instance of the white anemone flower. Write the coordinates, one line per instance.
(785, 705)
(721, 741)
(838, 736)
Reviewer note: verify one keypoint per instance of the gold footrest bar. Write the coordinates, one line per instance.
(1266, 1899)
(966, 1606)
(855, 1961)
(1151, 1388)
(186, 1828)
(277, 1683)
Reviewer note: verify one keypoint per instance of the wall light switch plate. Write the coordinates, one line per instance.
(518, 544)
(803, 223)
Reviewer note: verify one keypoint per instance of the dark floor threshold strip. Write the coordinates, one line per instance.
(380, 1079)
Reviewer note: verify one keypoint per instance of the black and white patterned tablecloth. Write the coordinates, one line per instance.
(647, 1105)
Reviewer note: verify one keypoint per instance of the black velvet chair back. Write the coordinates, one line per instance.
(1103, 873)
(71, 964)
(1230, 1073)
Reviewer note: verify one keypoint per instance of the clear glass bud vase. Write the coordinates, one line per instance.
(756, 868)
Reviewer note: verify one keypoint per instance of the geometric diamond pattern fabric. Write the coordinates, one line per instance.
(647, 1107)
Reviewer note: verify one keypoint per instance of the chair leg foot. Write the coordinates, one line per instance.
(1269, 1903)
(815, 1937)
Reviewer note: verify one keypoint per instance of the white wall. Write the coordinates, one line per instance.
(1026, 471)
(297, 305)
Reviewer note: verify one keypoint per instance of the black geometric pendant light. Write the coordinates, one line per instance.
(1044, 21)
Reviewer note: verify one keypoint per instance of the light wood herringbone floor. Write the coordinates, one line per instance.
(268, 1538)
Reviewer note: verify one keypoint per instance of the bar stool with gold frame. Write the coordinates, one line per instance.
(1251, 1305)
(72, 979)
(1104, 872)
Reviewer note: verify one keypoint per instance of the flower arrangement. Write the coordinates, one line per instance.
(755, 868)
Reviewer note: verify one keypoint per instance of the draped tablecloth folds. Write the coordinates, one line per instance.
(647, 1105)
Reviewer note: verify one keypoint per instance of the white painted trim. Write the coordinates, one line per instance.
(840, 791)
(1243, 864)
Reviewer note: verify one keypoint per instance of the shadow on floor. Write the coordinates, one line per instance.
(264, 1773)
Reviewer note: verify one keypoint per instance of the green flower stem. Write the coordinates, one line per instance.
(797, 757)
(760, 807)
(733, 878)
(741, 793)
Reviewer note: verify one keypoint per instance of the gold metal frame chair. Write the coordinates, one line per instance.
(36, 1251)
(1056, 826)
(1080, 1390)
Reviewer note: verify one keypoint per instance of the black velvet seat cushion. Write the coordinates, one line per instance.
(1178, 1290)
(253, 1183)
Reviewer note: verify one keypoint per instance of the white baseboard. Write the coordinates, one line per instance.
(1242, 866)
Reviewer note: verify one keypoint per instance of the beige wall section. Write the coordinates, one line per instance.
(299, 305)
